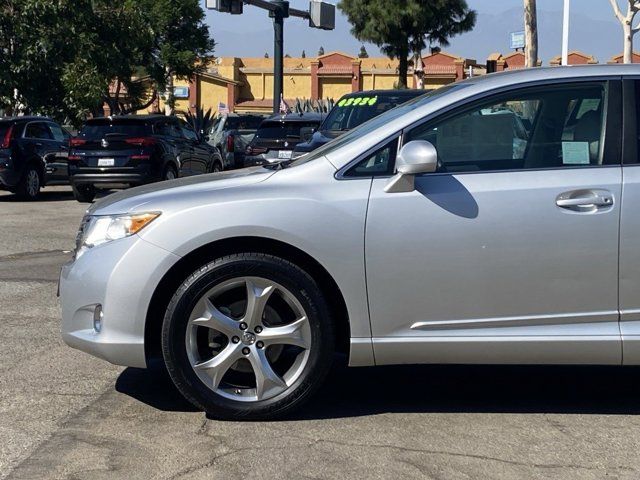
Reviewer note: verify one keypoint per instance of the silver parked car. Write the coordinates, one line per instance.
(492, 221)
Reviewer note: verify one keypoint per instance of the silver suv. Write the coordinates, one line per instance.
(492, 221)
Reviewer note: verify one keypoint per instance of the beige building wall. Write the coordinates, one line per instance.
(334, 87)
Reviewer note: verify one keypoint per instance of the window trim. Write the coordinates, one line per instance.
(615, 84)
(341, 174)
(53, 124)
(26, 127)
(611, 137)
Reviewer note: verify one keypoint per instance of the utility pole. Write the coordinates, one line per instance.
(565, 33)
(320, 15)
(531, 34)
(279, 14)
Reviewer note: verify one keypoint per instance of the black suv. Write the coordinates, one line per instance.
(352, 110)
(136, 149)
(33, 153)
(277, 136)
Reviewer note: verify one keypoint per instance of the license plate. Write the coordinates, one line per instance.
(286, 154)
(106, 162)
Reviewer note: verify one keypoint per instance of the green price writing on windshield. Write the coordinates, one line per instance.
(357, 102)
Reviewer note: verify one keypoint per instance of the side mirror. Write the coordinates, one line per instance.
(417, 156)
(306, 133)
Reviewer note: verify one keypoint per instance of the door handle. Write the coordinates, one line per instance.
(585, 200)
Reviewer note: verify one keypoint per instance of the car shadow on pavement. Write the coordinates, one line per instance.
(352, 392)
(44, 196)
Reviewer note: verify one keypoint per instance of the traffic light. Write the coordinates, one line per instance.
(322, 15)
(233, 7)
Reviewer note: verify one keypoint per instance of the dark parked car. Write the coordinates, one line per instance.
(352, 110)
(136, 149)
(33, 153)
(232, 133)
(277, 136)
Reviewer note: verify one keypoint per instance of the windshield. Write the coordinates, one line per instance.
(101, 128)
(282, 130)
(376, 123)
(243, 123)
(350, 112)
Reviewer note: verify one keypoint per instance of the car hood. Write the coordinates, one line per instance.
(157, 195)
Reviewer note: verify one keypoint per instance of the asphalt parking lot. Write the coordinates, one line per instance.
(66, 415)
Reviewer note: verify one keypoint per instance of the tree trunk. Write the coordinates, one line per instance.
(531, 33)
(403, 67)
(170, 101)
(628, 42)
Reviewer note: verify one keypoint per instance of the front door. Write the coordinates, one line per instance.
(509, 252)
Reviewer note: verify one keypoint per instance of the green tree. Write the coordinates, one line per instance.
(304, 55)
(181, 44)
(66, 58)
(401, 27)
(321, 51)
(363, 52)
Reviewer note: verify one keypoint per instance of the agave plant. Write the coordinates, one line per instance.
(201, 121)
(307, 105)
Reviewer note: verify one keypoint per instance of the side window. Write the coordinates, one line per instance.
(162, 128)
(189, 132)
(38, 131)
(174, 130)
(379, 163)
(555, 126)
(56, 131)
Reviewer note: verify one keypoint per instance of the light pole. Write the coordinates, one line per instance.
(565, 33)
(320, 15)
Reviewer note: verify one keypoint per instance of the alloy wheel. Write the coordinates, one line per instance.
(33, 183)
(248, 339)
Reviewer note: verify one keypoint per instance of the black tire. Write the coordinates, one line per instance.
(84, 193)
(30, 183)
(217, 166)
(272, 268)
(169, 173)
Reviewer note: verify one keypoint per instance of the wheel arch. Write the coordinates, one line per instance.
(186, 265)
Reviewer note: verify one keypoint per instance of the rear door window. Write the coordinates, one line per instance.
(38, 130)
(282, 130)
(103, 128)
(56, 131)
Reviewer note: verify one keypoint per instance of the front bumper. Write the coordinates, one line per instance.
(121, 276)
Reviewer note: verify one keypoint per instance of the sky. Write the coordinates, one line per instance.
(593, 29)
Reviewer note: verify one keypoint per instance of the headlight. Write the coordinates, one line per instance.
(98, 229)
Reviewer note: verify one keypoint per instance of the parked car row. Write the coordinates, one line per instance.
(138, 149)
(134, 150)
(110, 151)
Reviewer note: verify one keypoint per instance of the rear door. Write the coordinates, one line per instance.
(110, 144)
(57, 164)
(630, 227)
(508, 253)
(39, 141)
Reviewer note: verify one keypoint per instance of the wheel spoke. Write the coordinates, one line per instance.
(268, 382)
(211, 317)
(220, 364)
(257, 297)
(291, 334)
